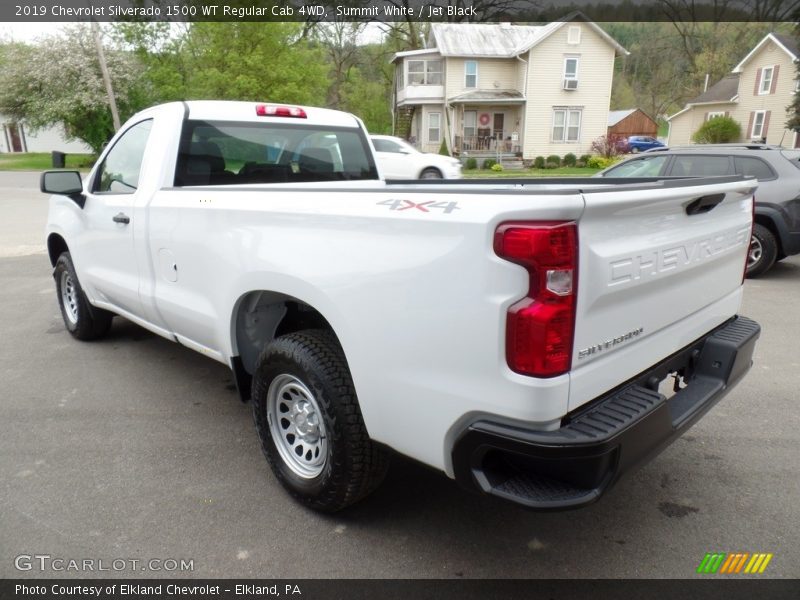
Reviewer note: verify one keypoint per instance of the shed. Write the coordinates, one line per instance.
(633, 121)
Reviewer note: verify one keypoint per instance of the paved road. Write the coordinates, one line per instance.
(135, 448)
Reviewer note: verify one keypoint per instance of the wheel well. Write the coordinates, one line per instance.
(262, 316)
(55, 247)
(437, 169)
(765, 221)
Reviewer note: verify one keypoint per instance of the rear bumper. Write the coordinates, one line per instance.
(574, 465)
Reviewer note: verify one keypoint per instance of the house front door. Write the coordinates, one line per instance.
(497, 129)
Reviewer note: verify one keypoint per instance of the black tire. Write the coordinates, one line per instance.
(431, 173)
(353, 465)
(759, 263)
(83, 321)
(634, 150)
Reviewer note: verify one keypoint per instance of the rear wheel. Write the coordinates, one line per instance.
(431, 173)
(634, 150)
(762, 252)
(310, 425)
(83, 321)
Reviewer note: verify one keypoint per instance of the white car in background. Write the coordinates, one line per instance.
(398, 159)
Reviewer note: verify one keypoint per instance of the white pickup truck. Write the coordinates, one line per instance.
(532, 339)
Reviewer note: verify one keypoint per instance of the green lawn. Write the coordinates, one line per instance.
(560, 172)
(41, 161)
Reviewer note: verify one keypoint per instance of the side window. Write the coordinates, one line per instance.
(753, 167)
(640, 167)
(119, 173)
(385, 146)
(700, 166)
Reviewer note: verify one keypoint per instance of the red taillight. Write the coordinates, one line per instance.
(540, 327)
(274, 110)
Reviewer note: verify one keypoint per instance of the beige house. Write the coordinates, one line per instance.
(505, 89)
(756, 93)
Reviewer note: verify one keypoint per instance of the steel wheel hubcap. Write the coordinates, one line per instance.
(296, 426)
(69, 297)
(755, 252)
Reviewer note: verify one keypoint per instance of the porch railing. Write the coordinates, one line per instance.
(500, 141)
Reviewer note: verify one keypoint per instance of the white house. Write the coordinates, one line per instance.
(756, 94)
(16, 137)
(528, 90)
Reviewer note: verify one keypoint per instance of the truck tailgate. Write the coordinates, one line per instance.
(661, 264)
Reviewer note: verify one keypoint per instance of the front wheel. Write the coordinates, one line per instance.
(762, 252)
(431, 173)
(81, 320)
(310, 424)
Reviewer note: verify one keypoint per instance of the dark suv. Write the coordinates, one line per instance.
(776, 231)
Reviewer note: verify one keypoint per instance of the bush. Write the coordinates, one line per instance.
(443, 149)
(600, 162)
(497, 167)
(608, 146)
(489, 163)
(552, 164)
(538, 162)
(471, 163)
(570, 160)
(585, 158)
(719, 130)
(580, 164)
(554, 158)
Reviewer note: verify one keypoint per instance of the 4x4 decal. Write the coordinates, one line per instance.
(394, 204)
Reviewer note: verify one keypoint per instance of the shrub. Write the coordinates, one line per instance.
(552, 164)
(488, 163)
(585, 158)
(443, 149)
(608, 145)
(497, 167)
(580, 164)
(538, 162)
(596, 162)
(719, 130)
(554, 158)
(570, 160)
(471, 163)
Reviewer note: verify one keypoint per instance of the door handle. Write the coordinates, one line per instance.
(121, 218)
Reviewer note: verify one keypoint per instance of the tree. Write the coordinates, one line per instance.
(719, 130)
(59, 82)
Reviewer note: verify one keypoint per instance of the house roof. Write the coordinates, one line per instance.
(494, 96)
(502, 40)
(615, 116)
(784, 42)
(725, 90)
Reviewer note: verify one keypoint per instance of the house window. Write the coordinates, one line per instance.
(470, 123)
(425, 72)
(758, 124)
(574, 35)
(714, 115)
(434, 127)
(567, 124)
(766, 80)
(471, 74)
(571, 73)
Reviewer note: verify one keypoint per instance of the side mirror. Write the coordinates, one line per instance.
(64, 183)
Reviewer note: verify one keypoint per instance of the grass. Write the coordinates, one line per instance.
(559, 172)
(42, 161)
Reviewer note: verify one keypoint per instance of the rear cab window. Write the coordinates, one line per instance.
(230, 153)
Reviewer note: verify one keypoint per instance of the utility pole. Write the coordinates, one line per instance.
(101, 57)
